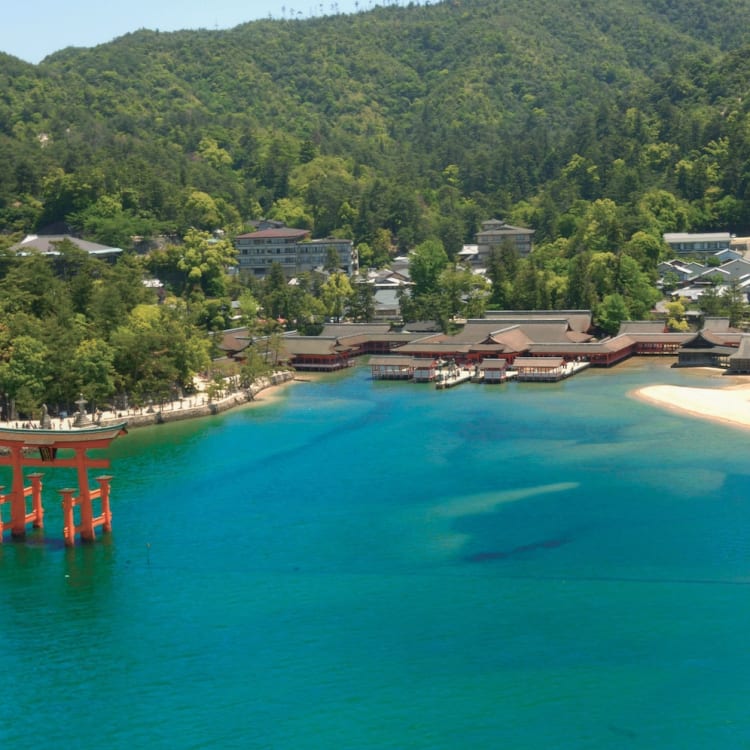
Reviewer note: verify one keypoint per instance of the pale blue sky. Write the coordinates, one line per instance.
(33, 29)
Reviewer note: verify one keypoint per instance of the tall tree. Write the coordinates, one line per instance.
(581, 292)
(205, 259)
(612, 311)
(426, 263)
(336, 293)
(498, 277)
(93, 362)
(362, 301)
(24, 372)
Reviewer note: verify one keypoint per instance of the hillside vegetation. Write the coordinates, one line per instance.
(417, 120)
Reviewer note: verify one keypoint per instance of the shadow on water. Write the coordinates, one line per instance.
(520, 550)
(83, 564)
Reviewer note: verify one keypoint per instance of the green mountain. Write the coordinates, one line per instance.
(419, 120)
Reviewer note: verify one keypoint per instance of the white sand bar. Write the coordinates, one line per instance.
(730, 404)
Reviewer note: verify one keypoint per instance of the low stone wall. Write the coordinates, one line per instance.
(201, 410)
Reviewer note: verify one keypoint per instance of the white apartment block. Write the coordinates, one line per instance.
(292, 249)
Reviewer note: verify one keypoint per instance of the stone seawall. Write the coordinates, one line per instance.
(175, 413)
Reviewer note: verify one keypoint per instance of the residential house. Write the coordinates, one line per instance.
(731, 253)
(740, 245)
(679, 270)
(493, 234)
(737, 268)
(387, 283)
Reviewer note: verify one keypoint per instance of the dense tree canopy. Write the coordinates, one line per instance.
(590, 118)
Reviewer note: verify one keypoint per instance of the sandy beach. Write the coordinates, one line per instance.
(730, 404)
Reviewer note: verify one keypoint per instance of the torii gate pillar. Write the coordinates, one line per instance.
(19, 515)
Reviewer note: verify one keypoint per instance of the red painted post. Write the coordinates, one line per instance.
(104, 483)
(36, 500)
(84, 497)
(3, 524)
(69, 524)
(17, 495)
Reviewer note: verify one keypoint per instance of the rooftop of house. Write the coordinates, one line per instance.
(501, 229)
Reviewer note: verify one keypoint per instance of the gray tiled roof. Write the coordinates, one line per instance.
(354, 329)
(47, 243)
(301, 345)
(578, 320)
(642, 326)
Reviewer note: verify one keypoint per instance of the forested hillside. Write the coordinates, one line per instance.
(418, 120)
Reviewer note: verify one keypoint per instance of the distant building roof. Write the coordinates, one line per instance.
(312, 345)
(274, 233)
(47, 244)
(422, 326)
(675, 237)
(538, 363)
(736, 268)
(355, 329)
(578, 320)
(392, 359)
(494, 229)
(641, 326)
(234, 340)
(717, 324)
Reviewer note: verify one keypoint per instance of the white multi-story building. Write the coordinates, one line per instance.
(292, 249)
(688, 243)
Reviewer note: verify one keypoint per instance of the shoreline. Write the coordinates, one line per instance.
(269, 386)
(729, 405)
(198, 406)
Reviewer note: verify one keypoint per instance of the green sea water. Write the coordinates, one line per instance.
(362, 564)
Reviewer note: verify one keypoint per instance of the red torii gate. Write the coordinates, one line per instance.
(20, 445)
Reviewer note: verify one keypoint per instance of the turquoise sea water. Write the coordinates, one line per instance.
(381, 565)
